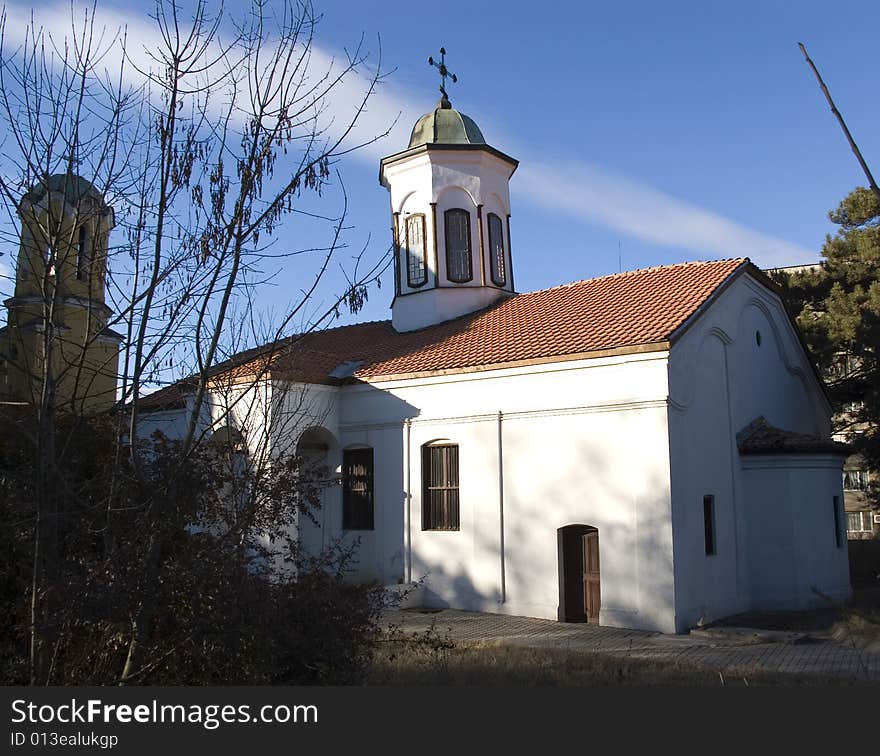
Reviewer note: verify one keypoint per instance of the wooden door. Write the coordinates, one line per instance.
(590, 543)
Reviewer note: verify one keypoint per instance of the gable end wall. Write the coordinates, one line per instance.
(739, 359)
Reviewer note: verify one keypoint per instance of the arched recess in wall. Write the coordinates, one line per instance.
(317, 453)
(686, 377)
(456, 196)
(773, 328)
(760, 337)
(412, 202)
(229, 448)
(494, 204)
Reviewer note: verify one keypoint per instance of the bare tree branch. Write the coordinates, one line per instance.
(856, 151)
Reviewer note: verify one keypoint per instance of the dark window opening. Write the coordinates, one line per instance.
(440, 487)
(49, 259)
(709, 524)
(458, 246)
(856, 480)
(357, 489)
(838, 535)
(82, 257)
(758, 338)
(416, 271)
(496, 250)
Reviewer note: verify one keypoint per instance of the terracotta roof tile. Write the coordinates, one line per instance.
(167, 398)
(625, 309)
(622, 310)
(759, 437)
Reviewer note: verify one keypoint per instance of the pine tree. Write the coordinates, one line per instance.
(837, 306)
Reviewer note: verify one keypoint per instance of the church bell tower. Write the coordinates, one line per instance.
(450, 209)
(57, 319)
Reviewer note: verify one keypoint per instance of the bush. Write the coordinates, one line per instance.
(164, 547)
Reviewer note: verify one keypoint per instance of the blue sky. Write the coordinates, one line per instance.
(633, 117)
(668, 132)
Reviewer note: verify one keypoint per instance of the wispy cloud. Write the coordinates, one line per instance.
(111, 29)
(576, 190)
(587, 193)
(583, 192)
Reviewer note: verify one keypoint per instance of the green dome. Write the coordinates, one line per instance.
(445, 125)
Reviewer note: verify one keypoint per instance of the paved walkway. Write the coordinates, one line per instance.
(734, 652)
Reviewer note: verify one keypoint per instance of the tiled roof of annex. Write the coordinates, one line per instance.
(760, 437)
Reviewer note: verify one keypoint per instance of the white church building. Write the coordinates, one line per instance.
(648, 449)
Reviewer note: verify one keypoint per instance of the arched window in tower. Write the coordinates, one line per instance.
(496, 250)
(416, 272)
(49, 260)
(83, 254)
(458, 245)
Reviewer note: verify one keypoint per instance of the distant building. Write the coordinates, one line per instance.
(58, 310)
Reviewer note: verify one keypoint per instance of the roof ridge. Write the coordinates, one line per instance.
(339, 327)
(635, 271)
(684, 263)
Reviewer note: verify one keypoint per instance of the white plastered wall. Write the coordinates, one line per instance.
(794, 497)
(740, 359)
(581, 443)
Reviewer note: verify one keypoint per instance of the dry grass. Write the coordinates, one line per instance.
(505, 665)
(859, 623)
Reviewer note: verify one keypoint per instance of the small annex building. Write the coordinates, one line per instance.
(648, 449)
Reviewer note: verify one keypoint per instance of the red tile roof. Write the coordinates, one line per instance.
(759, 437)
(167, 398)
(626, 309)
(566, 322)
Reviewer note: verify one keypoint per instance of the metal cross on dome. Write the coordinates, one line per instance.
(444, 71)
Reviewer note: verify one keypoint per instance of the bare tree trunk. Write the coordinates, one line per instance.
(44, 595)
(852, 143)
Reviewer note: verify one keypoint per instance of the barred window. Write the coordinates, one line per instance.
(357, 489)
(416, 272)
(859, 522)
(440, 487)
(458, 245)
(856, 480)
(496, 250)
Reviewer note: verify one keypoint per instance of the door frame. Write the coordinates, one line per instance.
(570, 551)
